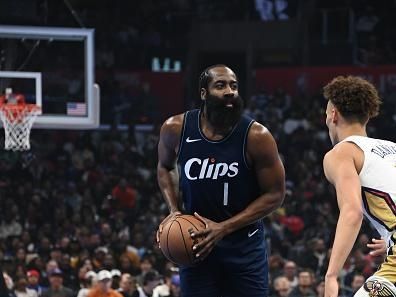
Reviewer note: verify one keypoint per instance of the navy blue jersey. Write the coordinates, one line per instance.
(215, 179)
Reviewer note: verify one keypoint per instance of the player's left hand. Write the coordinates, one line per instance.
(212, 233)
(331, 286)
(378, 247)
(170, 217)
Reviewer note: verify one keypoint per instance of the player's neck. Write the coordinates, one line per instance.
(351, 130)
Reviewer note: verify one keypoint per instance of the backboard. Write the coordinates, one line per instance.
(54, 69)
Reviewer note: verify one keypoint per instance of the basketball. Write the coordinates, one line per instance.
(175, 239)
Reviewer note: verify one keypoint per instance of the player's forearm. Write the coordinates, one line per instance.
(348, 226)
(167, 181)
(256, 210)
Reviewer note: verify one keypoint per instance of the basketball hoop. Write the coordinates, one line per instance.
(17, 117)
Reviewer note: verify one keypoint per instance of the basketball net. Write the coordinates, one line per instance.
(18, 118)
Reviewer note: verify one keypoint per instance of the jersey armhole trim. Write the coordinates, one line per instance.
(181, 140)
(365, 163)
(244, 150)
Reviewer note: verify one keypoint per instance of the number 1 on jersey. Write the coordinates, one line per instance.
(225, 194)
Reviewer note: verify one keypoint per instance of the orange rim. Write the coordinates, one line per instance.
(16, 112)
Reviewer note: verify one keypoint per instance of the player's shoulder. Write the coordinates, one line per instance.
(175, 120)
(343, 150)
(333, 155)
(173, 125)
(258, 129)
(171, 130)
(258, 133)
(343, 153)
(328, 159)
(261, 144)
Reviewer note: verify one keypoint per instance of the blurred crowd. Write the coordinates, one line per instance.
(81, 202)
(147, 29)
(79, 211)
(129, 34)
(144, 29)
(375, 40)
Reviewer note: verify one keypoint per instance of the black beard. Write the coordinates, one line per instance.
(221, 116)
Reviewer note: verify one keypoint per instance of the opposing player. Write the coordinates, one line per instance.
(363, 171)
(230, 176)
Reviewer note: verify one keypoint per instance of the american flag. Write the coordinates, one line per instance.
(76, 109)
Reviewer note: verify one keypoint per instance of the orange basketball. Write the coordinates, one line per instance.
(175, 239)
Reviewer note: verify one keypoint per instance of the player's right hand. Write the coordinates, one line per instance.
(171, 216)
(378, 247)
(331, 287)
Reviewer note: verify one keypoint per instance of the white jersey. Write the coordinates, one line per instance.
(378, 180)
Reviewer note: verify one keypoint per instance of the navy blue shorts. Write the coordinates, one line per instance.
(231, 270)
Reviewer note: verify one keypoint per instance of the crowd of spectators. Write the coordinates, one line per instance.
(147, 29)
(83, 202)
(144, 29)
(128, 34)
(80, 202)
(374, 36)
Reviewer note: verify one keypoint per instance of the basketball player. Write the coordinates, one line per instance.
(363, 171)
(230, 176)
